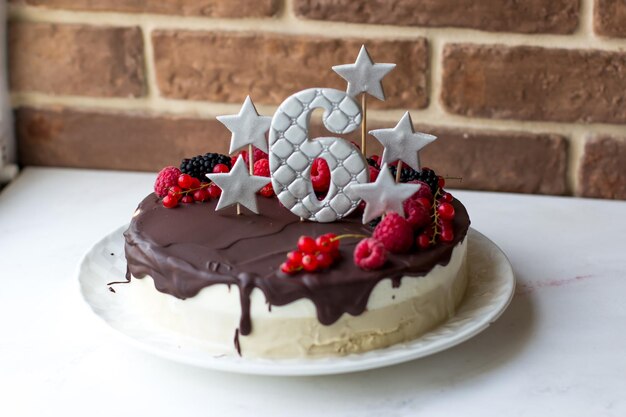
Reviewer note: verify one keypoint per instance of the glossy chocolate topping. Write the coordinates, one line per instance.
(192, 246)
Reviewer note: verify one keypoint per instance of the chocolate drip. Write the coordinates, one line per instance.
(192, 247)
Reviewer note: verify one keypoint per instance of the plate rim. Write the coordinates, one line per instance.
(355, 362)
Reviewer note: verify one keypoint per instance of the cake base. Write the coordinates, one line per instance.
(394, 314)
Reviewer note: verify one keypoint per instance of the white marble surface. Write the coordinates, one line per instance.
(560, 348)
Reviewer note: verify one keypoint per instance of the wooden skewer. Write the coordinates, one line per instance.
(364, 125)
(398, 171)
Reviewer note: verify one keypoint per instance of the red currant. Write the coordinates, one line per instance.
(441, 182)
(221, 169)
(423, 241)
(309, 262)
(195, 183)
(447, 235)
(187, 199)
(289, 268)
(185, 181)
(175, 192)
(201, 195)
(447, 197)
(295, 257)
(307, 244)
(169, 201)
(445, 211)
(324, 260)
(214, 191)
(327, 243)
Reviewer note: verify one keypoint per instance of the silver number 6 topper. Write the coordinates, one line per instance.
(291, 154)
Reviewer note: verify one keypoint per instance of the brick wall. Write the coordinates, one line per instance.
(525, 96)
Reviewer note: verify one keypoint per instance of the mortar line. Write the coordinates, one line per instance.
(288, 23)
(184, 108)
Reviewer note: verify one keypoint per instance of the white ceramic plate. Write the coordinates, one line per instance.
(490, 289)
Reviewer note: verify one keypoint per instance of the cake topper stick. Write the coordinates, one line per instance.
(403, 144)
(248, 128)
(364, 76)
(383, 195)
(238, 187)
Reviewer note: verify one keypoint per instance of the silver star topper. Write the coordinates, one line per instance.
(247, 127)
(383, 195)
(238, 186)
(402, 142)
(364, 76)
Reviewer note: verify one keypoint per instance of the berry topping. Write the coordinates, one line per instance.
(200, 165)
(417, 213)
(169, 201)
(295, 256)
(445, 211)
(320, 175)
(267, 191)
(447, 197)
(306, 244)
(370, 254)
(175, 191)
(327, 243)
(395, 233)
(447, 235)
(201, 195)
(423, 241)
(187, 199)
(373, 173)
(324, 260)
(167, 178)
(289, 268)
(185, 181)
(309, 262)
(262, 168)
(214, 191)
(221, 169)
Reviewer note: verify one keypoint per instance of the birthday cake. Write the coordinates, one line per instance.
(301, 247)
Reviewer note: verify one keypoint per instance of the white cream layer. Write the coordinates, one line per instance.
(393, 315)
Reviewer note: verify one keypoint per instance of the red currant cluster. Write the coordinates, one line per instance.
(189, 189)
(312, 254)
(442, 214)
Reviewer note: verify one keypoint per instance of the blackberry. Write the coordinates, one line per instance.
(425, 175)
(200, 165)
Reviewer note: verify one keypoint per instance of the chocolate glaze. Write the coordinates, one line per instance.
(192, 246)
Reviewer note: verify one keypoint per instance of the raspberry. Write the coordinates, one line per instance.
(424, 190)
(168, 177)
(370, 254)
(259, 154)
(417, 215)
(262, 167)
(320, 175)
(395, 233)
(267, 191)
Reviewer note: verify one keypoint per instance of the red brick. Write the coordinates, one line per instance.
(490, 160)
(207, 8)
(529, 16)
(609, 17)
(76, 60)
(225, 67)
(86, 139)
(486, 160)
(530, 83)
(603, 168)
